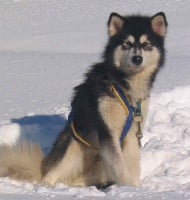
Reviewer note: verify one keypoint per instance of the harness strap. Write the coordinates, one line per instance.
(118, 93)
(78, 136)
(124, 100)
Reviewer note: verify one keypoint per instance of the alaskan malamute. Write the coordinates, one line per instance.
(100, 144)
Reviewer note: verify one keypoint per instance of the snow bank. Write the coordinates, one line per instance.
(165, 153)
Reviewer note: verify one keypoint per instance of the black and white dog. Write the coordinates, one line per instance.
(95, 147)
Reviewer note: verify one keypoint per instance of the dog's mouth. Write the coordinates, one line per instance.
(133, 69)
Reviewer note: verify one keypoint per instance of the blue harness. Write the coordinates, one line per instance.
(123, 99)
(119, 94)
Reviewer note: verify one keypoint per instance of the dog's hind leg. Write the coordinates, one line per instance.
(95, 172)
(81, 166)
(69, 168)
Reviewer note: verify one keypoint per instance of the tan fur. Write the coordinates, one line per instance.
(21, 161)
(113, 114)
(131, 39)
(72, 163)
(139, 88)
(118, 54)
(150, 59)
(81, 166)
(143, 39)
(127, 162)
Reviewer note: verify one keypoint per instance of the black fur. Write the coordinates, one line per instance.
(85, 101)
(58, 150)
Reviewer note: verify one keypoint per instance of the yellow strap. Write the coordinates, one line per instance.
(79, 137)
(120, 99)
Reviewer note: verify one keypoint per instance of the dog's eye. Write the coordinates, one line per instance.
(147, 46)
(127, 45)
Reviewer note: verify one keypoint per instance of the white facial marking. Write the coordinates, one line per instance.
(131, 39)
(143, 39)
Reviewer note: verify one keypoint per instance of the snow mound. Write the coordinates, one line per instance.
(165, 153)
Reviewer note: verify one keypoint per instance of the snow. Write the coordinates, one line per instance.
(47, 46)
(167, 129)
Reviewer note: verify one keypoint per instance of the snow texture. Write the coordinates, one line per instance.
(47, 46)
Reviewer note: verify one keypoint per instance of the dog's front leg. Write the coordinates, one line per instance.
(114, 162)
(131, 154)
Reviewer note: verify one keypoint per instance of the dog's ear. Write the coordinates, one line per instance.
(159, 24)
(115, 24)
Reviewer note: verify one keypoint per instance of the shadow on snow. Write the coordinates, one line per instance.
(41, 129)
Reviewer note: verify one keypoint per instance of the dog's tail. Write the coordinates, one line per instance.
(21, 161)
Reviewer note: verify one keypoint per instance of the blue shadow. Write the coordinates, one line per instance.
(41, 129)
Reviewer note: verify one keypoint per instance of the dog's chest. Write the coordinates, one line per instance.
(139, 89)
(113, 114)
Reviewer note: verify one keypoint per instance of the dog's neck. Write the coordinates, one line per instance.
(140, 85)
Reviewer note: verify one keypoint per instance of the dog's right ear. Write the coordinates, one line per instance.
(115, 24)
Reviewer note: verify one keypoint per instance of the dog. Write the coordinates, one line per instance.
(90, 150)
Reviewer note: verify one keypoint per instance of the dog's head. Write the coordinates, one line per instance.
(136, 43)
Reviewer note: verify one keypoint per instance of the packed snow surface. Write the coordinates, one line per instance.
(47, 46)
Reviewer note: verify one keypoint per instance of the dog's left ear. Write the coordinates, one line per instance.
(115, 24)
(159, 24)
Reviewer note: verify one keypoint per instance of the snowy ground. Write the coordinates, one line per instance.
(45, 48)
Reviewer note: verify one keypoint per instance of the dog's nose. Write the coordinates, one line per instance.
(137, 60)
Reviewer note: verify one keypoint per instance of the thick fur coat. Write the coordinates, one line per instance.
(131, 60)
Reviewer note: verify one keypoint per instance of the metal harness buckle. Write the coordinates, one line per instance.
(138, 118)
